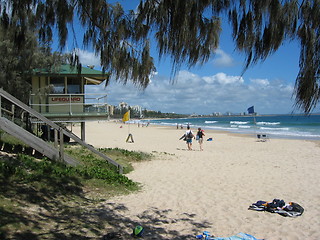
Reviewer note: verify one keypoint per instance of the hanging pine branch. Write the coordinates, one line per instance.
(186, 31)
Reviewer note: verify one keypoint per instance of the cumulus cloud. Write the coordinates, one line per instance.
(88, 58)
(191, 93)
(223, 79)
(260, 82)
(222, 59)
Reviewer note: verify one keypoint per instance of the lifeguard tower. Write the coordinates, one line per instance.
(59, 94)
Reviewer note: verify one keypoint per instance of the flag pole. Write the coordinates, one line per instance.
(251, 111)
(255, 125)
(126, 118)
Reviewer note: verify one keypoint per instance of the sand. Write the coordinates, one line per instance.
(186, 192)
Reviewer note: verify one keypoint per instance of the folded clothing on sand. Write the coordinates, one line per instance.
(278, 206)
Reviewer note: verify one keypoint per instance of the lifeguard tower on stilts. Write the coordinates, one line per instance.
(59, 94)
(58, 97)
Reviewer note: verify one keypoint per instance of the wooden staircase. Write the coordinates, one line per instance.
(35, 142)
(56, 151)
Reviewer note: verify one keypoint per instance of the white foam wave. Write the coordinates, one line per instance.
(238, 122)
(208, 122)
(244, 127)
(275, 129)
(219, 128)
(268, 123)
(296, 134)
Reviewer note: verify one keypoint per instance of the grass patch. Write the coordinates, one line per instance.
(124, 157)
(43, 199)
(4, 137)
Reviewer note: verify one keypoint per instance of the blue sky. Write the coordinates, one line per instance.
(215, 86)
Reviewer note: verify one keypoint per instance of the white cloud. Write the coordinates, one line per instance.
(191, 93)
(261, 82)
(88, 58)
(222, 59)
(223, 79)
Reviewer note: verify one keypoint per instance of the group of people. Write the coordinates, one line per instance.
(188, 136)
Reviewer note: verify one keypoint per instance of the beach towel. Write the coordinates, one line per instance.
(291, 209)
(239, 236)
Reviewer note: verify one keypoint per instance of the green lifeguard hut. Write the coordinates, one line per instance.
(59, 94)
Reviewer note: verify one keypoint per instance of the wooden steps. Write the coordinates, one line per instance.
(36, 143)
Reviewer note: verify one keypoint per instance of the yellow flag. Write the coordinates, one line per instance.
(126, 116)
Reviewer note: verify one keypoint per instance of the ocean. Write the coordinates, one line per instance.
(275, 126)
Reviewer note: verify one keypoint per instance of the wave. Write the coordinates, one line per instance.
(268, 123)
(244, 126)
(275, 129)
(238, 122)
(278, 127)
(241, 126)
(292, 134)
(208, 122)
(219, 128)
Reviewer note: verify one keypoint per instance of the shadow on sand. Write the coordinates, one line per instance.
(61, 211)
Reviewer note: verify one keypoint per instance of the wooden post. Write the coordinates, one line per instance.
(55, 138)
(0, 106)
(61, 152)
(83, 131)
(70, 105)
(12, 111)
(0, 131)
(120, 169)
(49, 132)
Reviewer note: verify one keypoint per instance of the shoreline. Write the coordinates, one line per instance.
(244, 134)
(212, 131)
(284, 130)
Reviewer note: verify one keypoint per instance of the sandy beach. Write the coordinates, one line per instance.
(186, 192)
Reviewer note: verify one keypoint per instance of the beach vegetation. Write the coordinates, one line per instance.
(122, 156)
(122, 39)
(41, 197)
(7, 138)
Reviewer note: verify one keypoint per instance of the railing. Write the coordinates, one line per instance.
(69, 103)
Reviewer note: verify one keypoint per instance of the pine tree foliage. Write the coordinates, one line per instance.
(189, 32)
(186, 30)
(181, 29)
(261, 27)
(308, 80)
(17, 63)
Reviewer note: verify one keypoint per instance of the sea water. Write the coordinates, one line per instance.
(276, 126)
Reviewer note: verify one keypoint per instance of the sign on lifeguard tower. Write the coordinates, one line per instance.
(71, 103)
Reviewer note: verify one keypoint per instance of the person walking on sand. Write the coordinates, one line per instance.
(199, 137)
(188, 136)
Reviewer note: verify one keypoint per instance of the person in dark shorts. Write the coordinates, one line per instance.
(188, 136)
(199, 137)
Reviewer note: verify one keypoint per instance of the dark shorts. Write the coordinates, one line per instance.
(189, 140)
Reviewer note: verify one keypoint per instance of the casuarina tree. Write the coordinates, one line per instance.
(186, 31)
